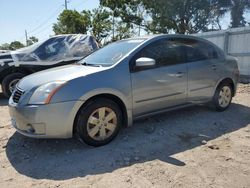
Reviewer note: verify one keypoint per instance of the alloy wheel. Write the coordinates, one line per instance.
(12, 85)
(101, 123)
(225, 96)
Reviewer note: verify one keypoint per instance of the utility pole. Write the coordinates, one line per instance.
(66, 5)
(113, 29)
(113, 24)
(139, 34)
(140, 15)
(26, 36)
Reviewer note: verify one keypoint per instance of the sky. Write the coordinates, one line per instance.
(37, 17)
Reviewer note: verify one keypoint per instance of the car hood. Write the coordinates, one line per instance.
(63, 73)
(2, 55)
(5, 58)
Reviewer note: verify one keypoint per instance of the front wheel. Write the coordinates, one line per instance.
(98, 122)
(223, 96)
(9, 83)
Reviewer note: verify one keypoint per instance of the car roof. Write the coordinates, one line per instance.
(180, 36)
(65, 35)
(163, 36)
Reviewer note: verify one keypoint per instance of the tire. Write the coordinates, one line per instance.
(9, 82)
(90, 127)
(223, 96)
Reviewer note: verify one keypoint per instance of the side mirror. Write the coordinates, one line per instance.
(144, 62)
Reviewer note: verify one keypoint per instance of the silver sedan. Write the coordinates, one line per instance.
(121, 82)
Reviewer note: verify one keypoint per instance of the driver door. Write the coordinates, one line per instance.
(163, 85)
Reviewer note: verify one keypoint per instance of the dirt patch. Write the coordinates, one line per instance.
(192, 147)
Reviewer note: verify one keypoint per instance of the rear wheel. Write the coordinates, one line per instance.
(99, 122)
(9, 83)
(223, 96)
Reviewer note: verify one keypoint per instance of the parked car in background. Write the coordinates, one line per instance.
(55, 51)
(121, 82)
(4, 51)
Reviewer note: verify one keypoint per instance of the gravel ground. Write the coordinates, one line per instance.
(192, 147)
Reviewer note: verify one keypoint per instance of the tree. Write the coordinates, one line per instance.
(32, 40)
(236, 9)
(164, 16)
(129, 12)
(5, 46)
(71, 21)
(15, 45)
(122, 31)
(180, 16)
(100, 23)
(218, 10)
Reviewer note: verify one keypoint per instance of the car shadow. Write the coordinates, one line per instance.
(155, 138)
(3, 100)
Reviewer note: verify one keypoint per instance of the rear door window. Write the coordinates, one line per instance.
(199, 51)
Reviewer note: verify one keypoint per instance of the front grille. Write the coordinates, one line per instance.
(17, 95)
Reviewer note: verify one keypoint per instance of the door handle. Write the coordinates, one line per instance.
(178, 74)
(162, 81)
(214, 67)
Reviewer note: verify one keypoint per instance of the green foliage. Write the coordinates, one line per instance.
(127, 10)
(101, 23)
(12, 46)
(122, 31)
(71, 21)
(163, 16)
(180, 16)
(5, 46)
(32, 40)
(130, 12)
(236, 9)
(15, 45)
(117, 19)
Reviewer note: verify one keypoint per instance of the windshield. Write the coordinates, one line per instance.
(111, 53)
(29, 48)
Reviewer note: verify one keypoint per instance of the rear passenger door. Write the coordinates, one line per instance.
(202, 60)
(163, 85)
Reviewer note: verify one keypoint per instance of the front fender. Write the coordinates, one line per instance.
(110, 91)
(104, 91)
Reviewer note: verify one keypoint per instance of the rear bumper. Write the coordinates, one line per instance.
(45, 121)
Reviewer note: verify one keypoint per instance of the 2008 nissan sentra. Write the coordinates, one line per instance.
(121, 82)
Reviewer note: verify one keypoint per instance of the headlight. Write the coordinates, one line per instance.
(44, 93)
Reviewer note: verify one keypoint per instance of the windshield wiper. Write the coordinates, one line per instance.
(92, 65)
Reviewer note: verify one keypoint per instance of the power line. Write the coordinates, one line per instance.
(81, 3)
(40, 26)
(43, 28)
(45, 36)
(51, 16)
(45, 21)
